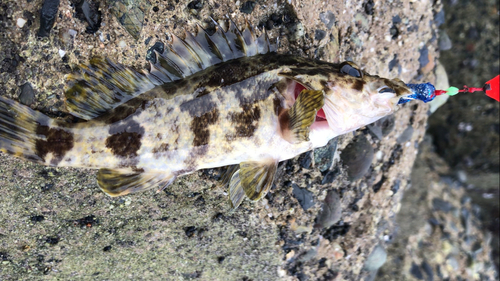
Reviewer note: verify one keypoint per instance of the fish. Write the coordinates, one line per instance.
(210, 99)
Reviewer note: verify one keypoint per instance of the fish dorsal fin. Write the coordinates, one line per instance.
(122, 182)
(103, 85)
(197, 52)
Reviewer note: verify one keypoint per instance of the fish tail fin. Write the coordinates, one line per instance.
(18, 129)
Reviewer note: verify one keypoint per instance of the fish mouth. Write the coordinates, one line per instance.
(296, 89)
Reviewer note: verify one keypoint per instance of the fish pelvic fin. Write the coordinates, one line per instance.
(115, 182)
(253, 180)
(296, 122)
(26, 133)
(103, 85)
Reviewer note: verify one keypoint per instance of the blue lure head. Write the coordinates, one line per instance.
(423, 92)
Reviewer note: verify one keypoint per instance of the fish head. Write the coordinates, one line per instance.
(354, 98)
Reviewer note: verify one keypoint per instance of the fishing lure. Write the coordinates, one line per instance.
(209, 100)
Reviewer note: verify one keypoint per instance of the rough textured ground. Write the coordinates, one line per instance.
(56, 224)
(466, 130)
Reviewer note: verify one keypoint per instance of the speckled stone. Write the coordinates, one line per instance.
(27, 95)
(331, 210)
(376, 259)
(357, 157)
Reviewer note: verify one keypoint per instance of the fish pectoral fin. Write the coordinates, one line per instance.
(122, 182)
(253, 180)
(295, 122)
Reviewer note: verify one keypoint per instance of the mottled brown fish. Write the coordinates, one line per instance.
(210, 100)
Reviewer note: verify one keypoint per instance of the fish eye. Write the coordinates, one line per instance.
(386, 89)
(350, 69)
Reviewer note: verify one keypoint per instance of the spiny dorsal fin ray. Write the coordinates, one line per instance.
(197, 52)
(119, 182)
(103, 85)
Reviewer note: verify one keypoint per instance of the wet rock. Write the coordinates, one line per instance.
(305, 160)
(37, 218)
(130, 14)
(247, 7)
(52, 240)
(27, 95)
(195, 5)
(336, 231)
(151, 55)
(357, 157)
(48, 17)
(87, 221)
(323, 156)
(444, 41)
(304, 196)
(439, 204)
(190, 231)
(331, 211)
(382, 127)
(406, 135)
(393, 63)
(394, 32)
(439, 18)
(424, 57)
(88, 11)
(416, 272)
(328, 18)
(376, 259)
(330, 176)
(368, 5)
(319, 34)
(428, 271)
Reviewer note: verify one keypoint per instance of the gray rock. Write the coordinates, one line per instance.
(304, 196)
(444, 41)
(319, 34)
(357, 157)
(27, 96)
(331, 212)
(376, 259)
(382, 127)
(328, 18)
(406, 135)
(130, 14)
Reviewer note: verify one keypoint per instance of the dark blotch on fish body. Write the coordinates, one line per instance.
(358, 85)
(124, 144)
(199, 127)
(244, 121)
(58, 142)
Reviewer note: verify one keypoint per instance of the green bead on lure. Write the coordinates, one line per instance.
(426, 92)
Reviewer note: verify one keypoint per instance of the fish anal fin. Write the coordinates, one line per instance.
(122, 182)
(257, 177)
(236, 192)
(296, 122)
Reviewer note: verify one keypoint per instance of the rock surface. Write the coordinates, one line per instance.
(56, 224)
